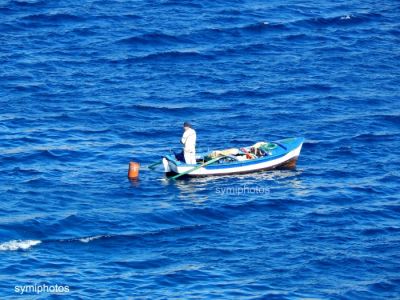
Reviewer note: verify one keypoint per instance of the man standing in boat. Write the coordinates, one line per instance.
(189, 143)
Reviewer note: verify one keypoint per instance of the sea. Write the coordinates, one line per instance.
(88, 86)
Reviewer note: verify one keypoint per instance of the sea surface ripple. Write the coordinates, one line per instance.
(87, 86)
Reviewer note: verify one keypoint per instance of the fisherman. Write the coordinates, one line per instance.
(189, 143)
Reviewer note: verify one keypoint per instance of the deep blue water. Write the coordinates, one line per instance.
(87, 87)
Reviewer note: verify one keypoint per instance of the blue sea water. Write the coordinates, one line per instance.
(87, 86)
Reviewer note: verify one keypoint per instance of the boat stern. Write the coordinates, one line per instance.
(170, 164)
(167, 168)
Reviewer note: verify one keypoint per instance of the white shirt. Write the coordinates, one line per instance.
(189, 140)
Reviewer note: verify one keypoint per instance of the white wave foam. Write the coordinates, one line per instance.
(90, 238)
(347, 17)
(18, 244)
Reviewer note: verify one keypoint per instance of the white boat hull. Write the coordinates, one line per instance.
(287, 159)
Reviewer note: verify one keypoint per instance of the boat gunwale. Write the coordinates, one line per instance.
(275, 167)
(235, 164)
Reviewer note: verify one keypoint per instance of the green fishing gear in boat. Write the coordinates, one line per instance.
(267, 147)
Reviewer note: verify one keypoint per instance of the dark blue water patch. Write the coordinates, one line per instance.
(389, 118)
(395, 32)
(390, 178)
(142, 265)
(168, 108)
(347, 20)
(168, 56)
(51, 20)
(380, 231)
(87, 88)
(302, 37)
(44, 155)
(371, 137)
(186, 4)
(5, 10)
(245, 30)
(86, 31)
(25, 171)
(262, 27)
(26, 4)
(153, 38)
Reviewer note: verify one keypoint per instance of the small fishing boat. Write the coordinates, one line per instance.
(262, 156)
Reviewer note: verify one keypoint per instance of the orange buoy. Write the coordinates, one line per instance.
(133, 172)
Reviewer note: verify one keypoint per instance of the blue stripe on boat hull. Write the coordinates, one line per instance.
(290, 144)
(287, 165)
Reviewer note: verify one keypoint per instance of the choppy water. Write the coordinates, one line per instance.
(87, 87)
